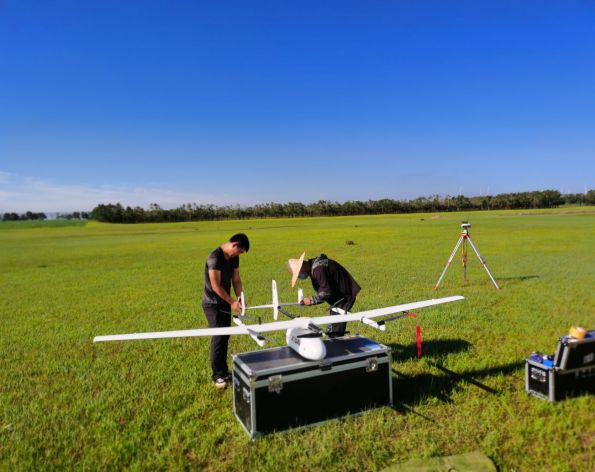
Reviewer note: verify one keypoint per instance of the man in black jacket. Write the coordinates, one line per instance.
(332, 283)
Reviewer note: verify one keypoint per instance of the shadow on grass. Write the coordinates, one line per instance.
(431, 349)
(409, 390)
(520, 278)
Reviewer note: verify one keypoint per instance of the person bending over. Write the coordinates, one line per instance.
(332, 283)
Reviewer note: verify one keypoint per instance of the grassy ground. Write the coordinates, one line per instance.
(67, 403)
(28, 224)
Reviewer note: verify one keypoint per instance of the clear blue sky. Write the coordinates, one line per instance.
(247, 102)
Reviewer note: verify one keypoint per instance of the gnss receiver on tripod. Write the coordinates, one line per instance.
(463, 240)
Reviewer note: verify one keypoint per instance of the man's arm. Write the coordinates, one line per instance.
(324, 290)
(215, 278)
(236, 282)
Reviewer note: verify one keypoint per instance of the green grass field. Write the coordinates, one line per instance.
(68, 403)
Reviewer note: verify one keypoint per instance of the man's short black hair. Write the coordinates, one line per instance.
(242, 240)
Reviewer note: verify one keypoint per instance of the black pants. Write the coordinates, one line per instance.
(338, 329)
(218, 317)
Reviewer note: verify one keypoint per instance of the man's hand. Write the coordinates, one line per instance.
(236, 306)
(307, 301)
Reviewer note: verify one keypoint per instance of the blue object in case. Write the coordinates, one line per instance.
(536, 357)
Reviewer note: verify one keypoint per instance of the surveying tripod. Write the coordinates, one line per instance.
(465, 236)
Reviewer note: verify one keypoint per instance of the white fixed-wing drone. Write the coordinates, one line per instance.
(303, 334)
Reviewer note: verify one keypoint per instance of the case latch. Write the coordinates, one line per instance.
(275, 383)
(372, 365)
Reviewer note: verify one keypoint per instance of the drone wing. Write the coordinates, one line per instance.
(255, 330)
(389, 310)
(233, 330)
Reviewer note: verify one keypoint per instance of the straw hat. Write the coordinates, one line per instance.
(294, 266)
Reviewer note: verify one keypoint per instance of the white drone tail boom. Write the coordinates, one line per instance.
(275, 301)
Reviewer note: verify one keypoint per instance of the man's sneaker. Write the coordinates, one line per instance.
(220, 383)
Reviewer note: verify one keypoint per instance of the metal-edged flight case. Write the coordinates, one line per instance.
(276, 389)
(570, 371)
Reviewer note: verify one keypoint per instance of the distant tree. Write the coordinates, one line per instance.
(10, 217)
(110, 213)
(29, 215)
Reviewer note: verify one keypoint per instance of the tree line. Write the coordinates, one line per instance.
(75, 215)
(117, 213)
(29, 215)
(23, 216)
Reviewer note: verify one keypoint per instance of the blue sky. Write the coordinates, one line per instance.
(243, 102)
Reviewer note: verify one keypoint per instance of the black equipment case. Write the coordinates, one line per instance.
(276, 389)
(571, 371)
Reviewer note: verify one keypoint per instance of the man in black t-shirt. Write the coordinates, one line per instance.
(221, 272)
(332, 283)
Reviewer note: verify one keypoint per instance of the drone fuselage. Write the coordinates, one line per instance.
(307, 344)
